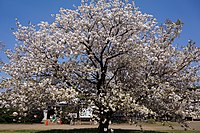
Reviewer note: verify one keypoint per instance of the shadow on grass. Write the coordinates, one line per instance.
(96, 131)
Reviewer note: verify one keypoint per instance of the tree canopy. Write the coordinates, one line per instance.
(108, 51)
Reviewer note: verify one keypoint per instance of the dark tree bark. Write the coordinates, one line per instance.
(104, 122)
(103, 125)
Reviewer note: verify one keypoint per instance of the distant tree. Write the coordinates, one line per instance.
(111, 53)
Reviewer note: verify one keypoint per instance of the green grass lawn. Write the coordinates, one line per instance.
(95, 131)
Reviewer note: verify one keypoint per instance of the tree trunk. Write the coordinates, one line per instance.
(103, 125)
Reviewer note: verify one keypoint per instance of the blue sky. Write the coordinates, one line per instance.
(40, 10)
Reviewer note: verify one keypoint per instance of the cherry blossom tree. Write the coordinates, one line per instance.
(1, 49)
(110, 52)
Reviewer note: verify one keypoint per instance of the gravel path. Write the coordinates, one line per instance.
(193, 125)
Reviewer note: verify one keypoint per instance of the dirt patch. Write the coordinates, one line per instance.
(192, 124)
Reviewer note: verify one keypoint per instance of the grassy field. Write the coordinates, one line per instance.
(95, 131)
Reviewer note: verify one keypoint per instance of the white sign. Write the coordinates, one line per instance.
(85, 113)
